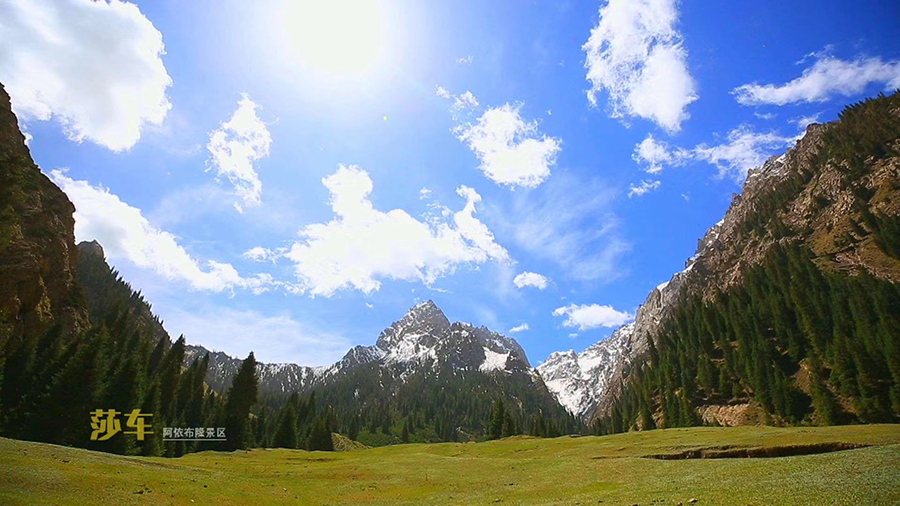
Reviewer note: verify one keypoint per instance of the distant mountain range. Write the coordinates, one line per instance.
(423, 338)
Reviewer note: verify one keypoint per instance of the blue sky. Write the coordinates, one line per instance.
(291, 179)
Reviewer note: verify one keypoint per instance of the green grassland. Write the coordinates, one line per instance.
(567, 470)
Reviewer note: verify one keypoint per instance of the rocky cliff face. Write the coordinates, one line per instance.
(37, 242)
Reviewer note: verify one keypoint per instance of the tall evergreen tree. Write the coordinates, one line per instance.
(286, 435)
(241, 397)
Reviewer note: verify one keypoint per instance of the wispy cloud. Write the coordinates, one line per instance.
(826, 78)
(519, 328)
(645, 186)
(463, 104)
(235, 147)
(569, 222)
(743, 149)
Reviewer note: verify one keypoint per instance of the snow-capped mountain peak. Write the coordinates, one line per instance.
(577, 381)
(423, 339)
(415, 334)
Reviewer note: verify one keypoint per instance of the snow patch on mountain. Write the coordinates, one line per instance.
(493, 361)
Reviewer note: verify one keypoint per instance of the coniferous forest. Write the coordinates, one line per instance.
(807, 347)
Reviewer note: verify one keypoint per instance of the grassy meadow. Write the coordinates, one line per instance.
(567, 470)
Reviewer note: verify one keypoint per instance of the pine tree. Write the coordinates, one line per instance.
(286, 435)
(240, 399)
(320, 436)
(509, 425)
(404, 435)
(495, 424)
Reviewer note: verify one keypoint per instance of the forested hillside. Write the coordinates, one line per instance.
(808, 330)
(68, 346)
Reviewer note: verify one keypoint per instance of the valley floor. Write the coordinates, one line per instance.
(567, 470)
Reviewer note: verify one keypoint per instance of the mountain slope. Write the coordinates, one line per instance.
(67, 349)
(790, 301)
(106, 292)
(835, 193)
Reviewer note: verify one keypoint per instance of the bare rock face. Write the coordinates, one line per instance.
(37, 243)
(92, 248)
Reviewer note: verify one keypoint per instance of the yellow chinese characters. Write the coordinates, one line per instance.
(106, 424)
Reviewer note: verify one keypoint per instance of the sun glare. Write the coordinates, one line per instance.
(335, 36)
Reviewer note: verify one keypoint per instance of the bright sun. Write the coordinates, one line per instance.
(335, 36)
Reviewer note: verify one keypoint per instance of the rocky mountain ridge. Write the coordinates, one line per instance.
(422, 338)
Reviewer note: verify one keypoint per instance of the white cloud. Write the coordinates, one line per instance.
(511, 151)
(257, 254)
(465, 60)
(125, 233)
(589, 316)
(804, 121)
(519, 328)
(464, 102)
(765, 116)
(745, 149)
(655, 153)
(272, 338)
(531, 279)
(637, 55)
(94, 66)
(260, 254)
(828, 77)
(424, 194)
(235, 146)
(362, 245)
(646, 186)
